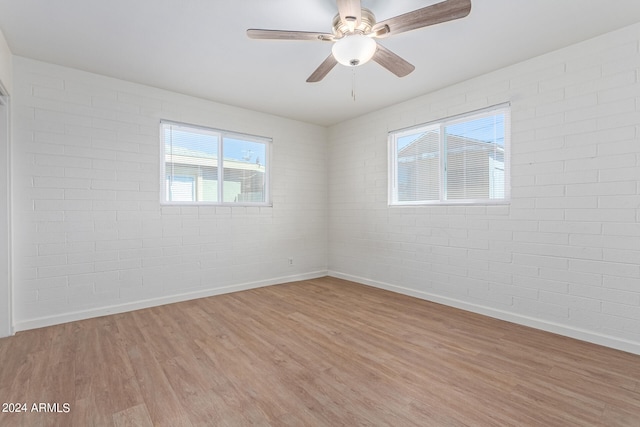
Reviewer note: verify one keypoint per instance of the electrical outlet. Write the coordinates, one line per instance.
(290, 260)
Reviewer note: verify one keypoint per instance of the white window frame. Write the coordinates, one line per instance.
(220, 170)
(440, 125)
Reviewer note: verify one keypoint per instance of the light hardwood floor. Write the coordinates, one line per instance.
(322, 352)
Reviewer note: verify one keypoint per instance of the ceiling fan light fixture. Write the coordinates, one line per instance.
(354, 49)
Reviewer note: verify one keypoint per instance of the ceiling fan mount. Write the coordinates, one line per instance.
(355, 30)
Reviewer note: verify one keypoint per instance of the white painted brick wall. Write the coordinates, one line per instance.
(90, 234)
(565, 254)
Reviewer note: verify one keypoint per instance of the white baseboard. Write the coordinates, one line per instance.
(556, 328)
(137, 305)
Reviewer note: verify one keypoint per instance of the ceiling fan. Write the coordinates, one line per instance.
(355, 30)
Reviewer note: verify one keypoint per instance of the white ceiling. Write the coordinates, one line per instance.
(199, 47)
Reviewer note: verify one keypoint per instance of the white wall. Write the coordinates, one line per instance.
(6, 83)
(6, 64)
(90, 235)
(565, 255)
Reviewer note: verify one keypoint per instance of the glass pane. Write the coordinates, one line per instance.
(191, 155)
(418, 165)
(475, 159)
(181, 188)
(244, 171)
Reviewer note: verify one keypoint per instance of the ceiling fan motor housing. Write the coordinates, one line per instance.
(367, 21)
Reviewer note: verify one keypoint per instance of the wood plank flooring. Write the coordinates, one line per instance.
(323, 352)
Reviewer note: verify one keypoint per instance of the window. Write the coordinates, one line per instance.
(462, 159)
(210, 166)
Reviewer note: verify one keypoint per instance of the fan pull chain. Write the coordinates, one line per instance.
(353, 83)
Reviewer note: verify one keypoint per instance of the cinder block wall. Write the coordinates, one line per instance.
(90, 236)
(565, 254)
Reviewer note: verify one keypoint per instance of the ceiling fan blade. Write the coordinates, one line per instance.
(350, 12)
(288, 35)
(392, 62)
(324, 68)
(440, 12)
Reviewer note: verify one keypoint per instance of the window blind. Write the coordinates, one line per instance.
(462, 159)
(203, 165)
